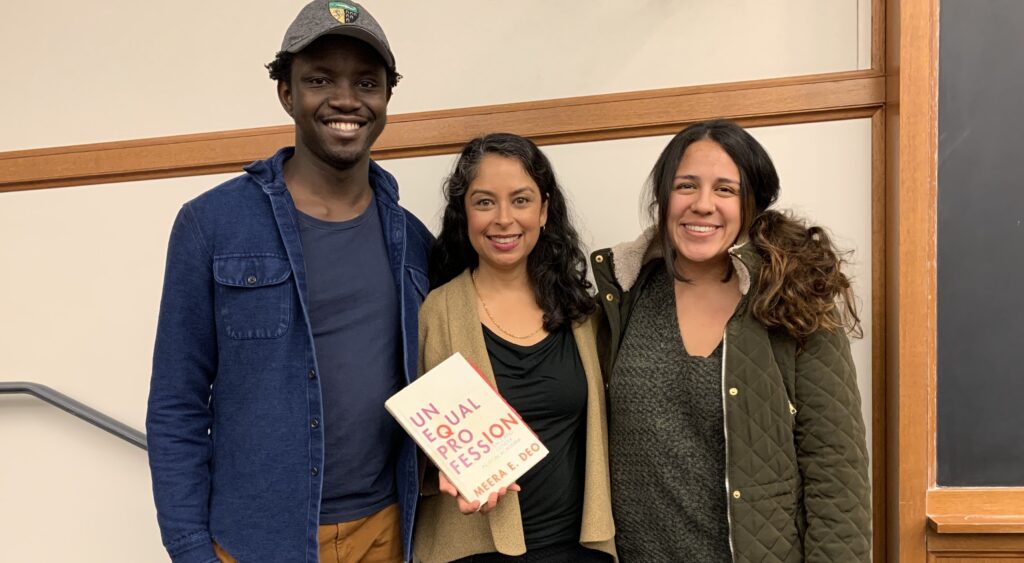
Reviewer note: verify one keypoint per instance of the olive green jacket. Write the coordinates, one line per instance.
(449, 323)
(796, 458)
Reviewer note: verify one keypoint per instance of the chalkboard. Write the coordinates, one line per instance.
(980, 242)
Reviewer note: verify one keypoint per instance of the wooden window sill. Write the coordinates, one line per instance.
(976, 510)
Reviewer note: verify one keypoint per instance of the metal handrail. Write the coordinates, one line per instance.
(71, 406)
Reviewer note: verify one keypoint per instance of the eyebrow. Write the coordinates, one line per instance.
(719, 180)
(484, 191)
(329, 68)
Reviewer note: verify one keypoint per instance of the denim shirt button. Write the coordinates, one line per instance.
(315, 471)
(315, 423)
(312, 374)
(251, 280)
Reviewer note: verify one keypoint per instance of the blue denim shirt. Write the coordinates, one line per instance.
(234, 453)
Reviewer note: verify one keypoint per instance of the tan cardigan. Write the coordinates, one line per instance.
(449, 323)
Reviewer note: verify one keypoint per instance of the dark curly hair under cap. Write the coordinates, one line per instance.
(556, 266)
(280, 69)
(801, 288)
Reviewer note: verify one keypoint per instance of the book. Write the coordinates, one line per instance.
(466, 428)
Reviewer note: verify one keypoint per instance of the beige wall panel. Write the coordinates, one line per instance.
(83, 270)
(70, 492)
(481, 53)
(80, 292)
(122, 69)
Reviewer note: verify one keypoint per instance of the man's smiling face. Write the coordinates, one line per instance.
(338, 96)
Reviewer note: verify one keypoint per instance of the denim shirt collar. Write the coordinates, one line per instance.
(269, 174)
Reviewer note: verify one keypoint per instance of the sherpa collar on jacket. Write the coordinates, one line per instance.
(630, 257)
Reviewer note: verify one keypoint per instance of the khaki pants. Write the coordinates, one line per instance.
(373, 539)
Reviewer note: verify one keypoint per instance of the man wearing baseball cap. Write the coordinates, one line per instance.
(289, 314)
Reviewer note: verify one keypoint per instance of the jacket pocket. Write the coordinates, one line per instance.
(770, 513)
(253, 300)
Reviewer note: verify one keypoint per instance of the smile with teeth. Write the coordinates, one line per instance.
(343, 125)
(504, 239)
(700, 228)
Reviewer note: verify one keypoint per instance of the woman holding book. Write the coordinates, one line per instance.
(734, 416)
(511, 295)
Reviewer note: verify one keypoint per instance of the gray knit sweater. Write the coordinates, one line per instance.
(666, 438)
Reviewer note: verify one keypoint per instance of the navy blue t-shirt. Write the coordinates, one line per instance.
(353, 310)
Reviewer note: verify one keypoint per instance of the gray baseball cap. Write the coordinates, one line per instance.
(321, 18)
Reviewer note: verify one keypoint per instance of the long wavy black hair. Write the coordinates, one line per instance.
(557, 266)
(801, 287)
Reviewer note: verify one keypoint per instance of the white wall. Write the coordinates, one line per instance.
(80, 277)
(80, 268)
(103, 70)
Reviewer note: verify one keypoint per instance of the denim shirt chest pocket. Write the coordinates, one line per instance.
(253, 300)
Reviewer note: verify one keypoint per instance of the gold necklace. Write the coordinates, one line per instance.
(490, 316)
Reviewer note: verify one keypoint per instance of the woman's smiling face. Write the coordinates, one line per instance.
(505, 211)
(704, 215)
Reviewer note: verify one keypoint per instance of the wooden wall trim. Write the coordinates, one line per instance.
(911, 148)
(992, 510)
(878, 340)
(878, 38)
(976, 523)
(879, 249)
(958, 548)
(844, 95)
(976, 500)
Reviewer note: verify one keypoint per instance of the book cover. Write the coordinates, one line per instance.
(466, 428)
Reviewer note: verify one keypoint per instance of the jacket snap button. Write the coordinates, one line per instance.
(734, 391)
(251, 280)
(736, 494)
(609, 297)
(599, 259)
(315, 471)
(315, 423)
(312, 374)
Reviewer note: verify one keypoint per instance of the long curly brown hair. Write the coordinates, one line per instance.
(801, 288)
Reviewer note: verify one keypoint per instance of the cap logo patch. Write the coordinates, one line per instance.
(344, 13)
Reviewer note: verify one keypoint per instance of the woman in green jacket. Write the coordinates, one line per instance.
(735, 421)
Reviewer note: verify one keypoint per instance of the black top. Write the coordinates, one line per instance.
(546, 384)
(666, 439)
(357, 337)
